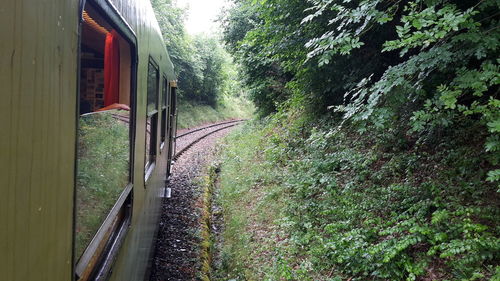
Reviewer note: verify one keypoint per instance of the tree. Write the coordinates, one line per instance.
(427, 64)
(198, 61)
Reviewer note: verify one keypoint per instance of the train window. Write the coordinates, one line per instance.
(164, 92)
(103, 181)
(152, 116)
(152, 87)
(164, 110)
(172, 122)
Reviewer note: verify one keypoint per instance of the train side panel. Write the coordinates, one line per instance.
(137, 249)
(38, 79)
(38, 50)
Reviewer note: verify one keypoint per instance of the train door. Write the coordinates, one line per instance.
(105, 140)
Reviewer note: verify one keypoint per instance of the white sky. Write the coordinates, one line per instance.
(202, 14)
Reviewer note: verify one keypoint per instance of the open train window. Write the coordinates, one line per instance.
(164, 111)
(152, 117)
(105, 140)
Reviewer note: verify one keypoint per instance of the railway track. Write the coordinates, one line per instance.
(209, 126)
(178, 243)
(216, 128)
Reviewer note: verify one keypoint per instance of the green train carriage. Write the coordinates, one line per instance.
(88, 128)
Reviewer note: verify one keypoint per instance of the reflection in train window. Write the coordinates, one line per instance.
(152, 115)
(103, 170)
(104, 146)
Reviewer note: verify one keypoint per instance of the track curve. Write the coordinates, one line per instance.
(209, 126)
(225, 125)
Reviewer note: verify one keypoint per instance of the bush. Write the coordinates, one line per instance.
(349, 209)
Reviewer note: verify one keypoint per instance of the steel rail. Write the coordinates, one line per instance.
(178, 154)
(209, 126)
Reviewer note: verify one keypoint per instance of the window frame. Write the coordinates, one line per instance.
(151, 116)
(172, 115)
(155, 65)
(165, 107)
(114, 228)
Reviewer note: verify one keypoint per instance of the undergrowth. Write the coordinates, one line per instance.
(323, 203)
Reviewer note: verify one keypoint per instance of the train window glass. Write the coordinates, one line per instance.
(151, 125)
(163, 129)
(164, 92)
(105, 126)
(172, 123)
(152, 116)
(164, 111)
(152, 87)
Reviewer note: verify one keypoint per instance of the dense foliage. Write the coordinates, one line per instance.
(206, 73)
(324, 204)
(425, 64)
(400, 181)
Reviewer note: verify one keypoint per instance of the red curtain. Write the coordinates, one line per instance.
(111, 69)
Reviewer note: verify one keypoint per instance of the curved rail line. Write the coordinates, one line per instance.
(210, 126)
(178, 154)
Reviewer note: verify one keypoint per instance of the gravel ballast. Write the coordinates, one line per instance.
(178, 242)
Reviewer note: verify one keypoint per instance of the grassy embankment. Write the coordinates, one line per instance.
(191, 115)
(304, 203)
